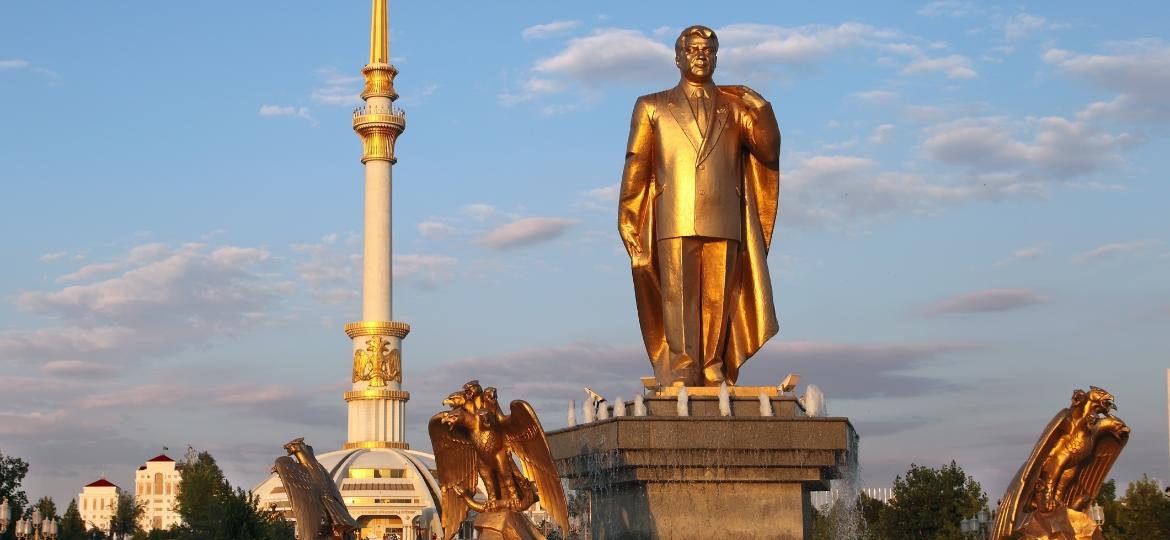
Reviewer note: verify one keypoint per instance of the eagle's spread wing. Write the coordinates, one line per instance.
(1094, 472)
(303, 494)
(359, 365)
(525, 437)
(1021, 492)
(394, 366)
(455, 459)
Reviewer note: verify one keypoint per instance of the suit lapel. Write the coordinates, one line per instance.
(681, 111)
(716, 126)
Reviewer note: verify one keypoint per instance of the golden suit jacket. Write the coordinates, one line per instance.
(722, 184)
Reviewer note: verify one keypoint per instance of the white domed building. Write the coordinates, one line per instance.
(384, 483)
(385, 489)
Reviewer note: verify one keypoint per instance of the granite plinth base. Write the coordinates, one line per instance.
(682, 477)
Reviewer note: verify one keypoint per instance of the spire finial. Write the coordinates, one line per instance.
(379, 34)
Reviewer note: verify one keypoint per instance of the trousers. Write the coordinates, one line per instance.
(697, 277)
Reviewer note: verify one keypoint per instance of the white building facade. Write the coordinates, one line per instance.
(156, 488)
(97, 503)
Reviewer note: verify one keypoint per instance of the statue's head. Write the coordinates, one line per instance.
(1102, 401)
(472, 389)
(694, 53)
(456, 399)
(295, 445)
(1096, 401)
(375, 344)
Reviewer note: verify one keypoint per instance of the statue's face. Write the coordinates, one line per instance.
(696, 61)
(1102, 401)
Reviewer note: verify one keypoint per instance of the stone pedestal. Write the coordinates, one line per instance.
(505, 526)
(744, 476)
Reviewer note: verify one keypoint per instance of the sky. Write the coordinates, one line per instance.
(973, 219)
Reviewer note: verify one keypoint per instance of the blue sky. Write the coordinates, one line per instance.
(972, 218)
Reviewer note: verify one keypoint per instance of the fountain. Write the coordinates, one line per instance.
(671, 475)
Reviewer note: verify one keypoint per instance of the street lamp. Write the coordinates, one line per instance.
(5, 515)
(977, 526)
(1097, 514)
(36, 528)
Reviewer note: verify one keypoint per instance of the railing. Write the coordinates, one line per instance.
(821, 499)
(369, 110)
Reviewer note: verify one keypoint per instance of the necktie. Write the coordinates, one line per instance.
(699, 103)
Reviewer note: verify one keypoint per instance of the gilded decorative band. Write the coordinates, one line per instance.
(379, 81)
(377, 328)
(377, 393)
(375, 444)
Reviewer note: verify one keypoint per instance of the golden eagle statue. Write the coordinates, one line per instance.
(316, 502)
(474, 441)
(1048, 497)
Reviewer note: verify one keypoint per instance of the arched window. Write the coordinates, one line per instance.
(158, 483)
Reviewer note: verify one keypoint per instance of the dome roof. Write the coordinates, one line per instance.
(373, 482)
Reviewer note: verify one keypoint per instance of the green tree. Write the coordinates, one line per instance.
(12, 472)
(200, 484)
(47, 507)
(929, 504)
(71, 527)
(1143, 513)
(213, 510)
(871, 509)
(126, 515)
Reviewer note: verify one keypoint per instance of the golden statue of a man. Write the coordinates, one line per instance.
(698, 205)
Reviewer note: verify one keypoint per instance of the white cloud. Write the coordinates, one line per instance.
(19, 63)
(1139, 72)
(54, 256)
(30, 423)
(532, 88)
(602, 199)
(287, 110)
(138, 255)
(337, 89)
(426, 271)
(881, 134)
(991, 300)
(758, 54)
(955, 66)
(541, 31)
(1029, 252)
(830, 189)
(1022, 24)
(435, 230)
(478, 211)
(1001, 158)
(877, 97)
(14, 63)
(741, 44)
(949, 8)
(526, 232)
(1108, 251)
(609, 55)
(159, 299)
(332, 271)
(78, 368)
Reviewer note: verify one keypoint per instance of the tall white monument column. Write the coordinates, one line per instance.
(377, 403)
